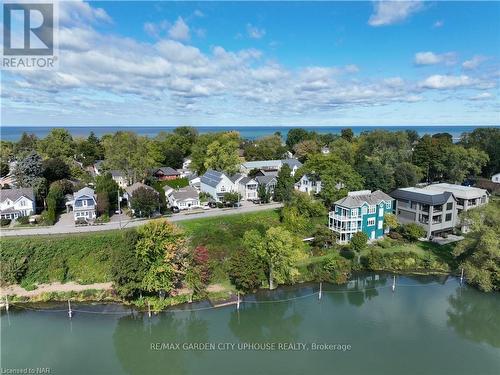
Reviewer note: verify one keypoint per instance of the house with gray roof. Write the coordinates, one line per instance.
(360, 211)
(434, 210)
(270, 165)
(165, 173)
(119, 177)
(84, 205)
(16, 203)
(216, 184)
(184, 198)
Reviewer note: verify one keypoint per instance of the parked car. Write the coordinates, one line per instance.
(205, 205)
(256, 201)
(212, 204)
(175, 209)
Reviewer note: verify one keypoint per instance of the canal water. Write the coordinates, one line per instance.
(428, 325)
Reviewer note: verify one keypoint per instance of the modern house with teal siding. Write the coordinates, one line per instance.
(360, 211)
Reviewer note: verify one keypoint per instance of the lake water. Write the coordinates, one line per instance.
(13, 133)
(429, 325)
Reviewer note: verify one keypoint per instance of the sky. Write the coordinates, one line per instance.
(265, 63)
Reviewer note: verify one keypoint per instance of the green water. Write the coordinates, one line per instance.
(427, 326)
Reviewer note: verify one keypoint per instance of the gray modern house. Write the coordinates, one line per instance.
(436, 211)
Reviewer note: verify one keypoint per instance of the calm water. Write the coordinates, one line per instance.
(13, 133)
(428, 326)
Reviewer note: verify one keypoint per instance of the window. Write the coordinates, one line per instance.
(380, 224)
(372, 209)
(371, 221)
(23, 203)
(449, 206)
(222, 188)
(388, 205)
(354, 212)
(381, 212)
(364, 210)
(448, 217)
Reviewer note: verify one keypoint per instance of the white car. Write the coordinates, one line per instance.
(205, 206)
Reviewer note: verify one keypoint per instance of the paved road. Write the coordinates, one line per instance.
(70, 228)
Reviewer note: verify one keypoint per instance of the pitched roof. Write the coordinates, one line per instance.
(187, 192)
(116, 173)
(264, 180)
(167, 171)
(235, 177)
(357, 200)
(211, 178)
(245, 180)
(421, 195)
(132, 188)
(84, 191)
(15, 194)
(260, 164)
(292, 163)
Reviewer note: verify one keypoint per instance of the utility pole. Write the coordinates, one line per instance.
(119, 209)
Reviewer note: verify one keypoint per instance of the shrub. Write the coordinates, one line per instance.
(4, 222)
(412, 232)
(395, 236)
(246, 272)
(337, 269)
(23, 220)
(359, 241)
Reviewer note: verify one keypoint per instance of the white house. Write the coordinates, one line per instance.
(84, 205)
(119, 177)
(216, 184)
(195, 181)
(310, 184)
(98, 167)
(183, 198)
(270, 165)
(15, 203)
(496, 178)
(186, 163)
(130, 190)
(247, 188)
(467, 196)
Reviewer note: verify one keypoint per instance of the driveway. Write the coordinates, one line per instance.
(65, 227)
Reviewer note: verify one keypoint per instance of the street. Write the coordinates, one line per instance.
(66, 226)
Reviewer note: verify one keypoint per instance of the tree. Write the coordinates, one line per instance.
(246, 271)
(222, 154)
(263, 193)
(106, 185)
(343, 149)
(336, 175)
(293, 220)
(358, 243)
(162, 248)
(28, 169)
(377, 176)
(306, 205)
(411, 231)
(406, 174)
(89, 150)
(488, 141)
(295, 136)
(347, 134)
(55, 200)
(231, 198)
(26, 144)
(479, 252)
(266, 148)
(284, 185)
(4, 169)
(391, 221)
(55, 169)
(127, 269)
(278, 249)
(306, 148)
(144, 202)
(201, 261)
(323, 237)
(461, 163)
(57, 144)
(102, 203)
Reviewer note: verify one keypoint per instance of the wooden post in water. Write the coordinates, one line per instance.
(6, 303)
(320, 290)
(70, 312)
(462, 277)
(149, 310)
(394, 283)
(238, 301)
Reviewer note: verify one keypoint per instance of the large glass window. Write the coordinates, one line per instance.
(449, 206)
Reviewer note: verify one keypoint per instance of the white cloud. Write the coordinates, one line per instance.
(391, 12)
(438, 24)
(431, 58)
(254, 32)
(482, 96)
(445, 82)
(179, 30)
(474, 62)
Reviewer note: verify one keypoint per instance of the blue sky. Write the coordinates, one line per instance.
(265, 63)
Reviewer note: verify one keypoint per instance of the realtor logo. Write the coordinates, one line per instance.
(28, 35)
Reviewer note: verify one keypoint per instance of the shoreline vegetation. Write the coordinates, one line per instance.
(245, 252)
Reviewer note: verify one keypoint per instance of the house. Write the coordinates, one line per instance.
(84, 205)
(325, 150)
(468, 197)
(195, 181)
(216, 184)
(130, 190)
(98, 167)
(186, 163)
(183, 198)
(270, 165)
(434, 210)
(247, 188)
(309, 183)
(165, 173)
(361, 211)
(269, 182)
(15, 203)
(119, 177)
(496, 178)
(184, 173)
